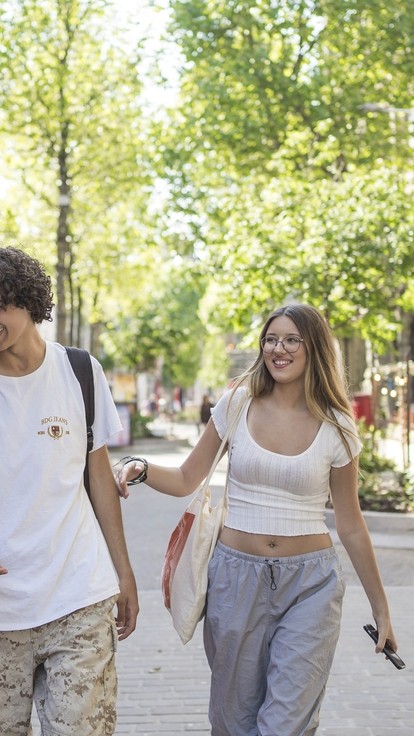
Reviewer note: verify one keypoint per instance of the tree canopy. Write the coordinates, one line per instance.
(293, 155)
(282, 168)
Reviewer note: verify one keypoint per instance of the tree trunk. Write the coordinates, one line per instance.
(63, 242)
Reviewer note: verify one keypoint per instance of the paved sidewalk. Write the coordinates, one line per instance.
(163, 685)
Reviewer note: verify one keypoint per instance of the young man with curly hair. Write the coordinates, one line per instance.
(63, 558)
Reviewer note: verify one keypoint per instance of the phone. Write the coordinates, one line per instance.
(388, 651)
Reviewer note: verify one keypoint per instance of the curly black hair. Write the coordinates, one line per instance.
(24, 283)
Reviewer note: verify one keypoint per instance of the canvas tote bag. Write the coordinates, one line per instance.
(191, 545)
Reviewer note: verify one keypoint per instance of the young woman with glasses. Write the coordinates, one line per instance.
(275, 583)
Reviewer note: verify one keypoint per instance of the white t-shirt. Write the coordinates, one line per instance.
(50, 540)
(284, 495)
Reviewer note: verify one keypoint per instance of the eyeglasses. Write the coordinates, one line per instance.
(290, 343)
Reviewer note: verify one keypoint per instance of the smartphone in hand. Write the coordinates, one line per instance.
(388, 651)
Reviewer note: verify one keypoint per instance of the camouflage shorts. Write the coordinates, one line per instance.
(67, 667)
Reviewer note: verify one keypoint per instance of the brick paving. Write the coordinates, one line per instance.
(163, 685)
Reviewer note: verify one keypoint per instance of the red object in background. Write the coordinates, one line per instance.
(362, 404)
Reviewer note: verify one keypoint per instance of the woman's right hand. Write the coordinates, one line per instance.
(3, 570)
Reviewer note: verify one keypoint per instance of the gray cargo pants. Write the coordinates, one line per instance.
(270, 633)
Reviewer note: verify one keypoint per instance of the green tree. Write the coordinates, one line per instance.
(278, 86)
(71, 116)
(291, 186)
(164, 327)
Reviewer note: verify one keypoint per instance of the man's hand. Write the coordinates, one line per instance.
(3, 570)
(128, 608)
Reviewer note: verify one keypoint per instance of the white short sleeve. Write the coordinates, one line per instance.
(107, 422)
(223, 412)
(339, 452)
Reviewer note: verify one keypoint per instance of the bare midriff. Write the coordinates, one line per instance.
(266, 545)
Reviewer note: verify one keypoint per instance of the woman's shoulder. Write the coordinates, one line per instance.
(239, 393)
(233, 397)
(345, 420)
(345, 435)
(229, 393)
(230, 400)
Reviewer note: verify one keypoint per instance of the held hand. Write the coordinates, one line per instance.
(128, 608)
(128, 472)
(3, 570)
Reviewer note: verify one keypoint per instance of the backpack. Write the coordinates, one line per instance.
(80, 361)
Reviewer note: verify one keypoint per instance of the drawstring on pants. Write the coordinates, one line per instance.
(273, 585)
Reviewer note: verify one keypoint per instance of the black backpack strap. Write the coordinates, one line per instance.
(80, 361)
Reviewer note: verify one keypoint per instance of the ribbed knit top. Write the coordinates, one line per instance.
(275, 494)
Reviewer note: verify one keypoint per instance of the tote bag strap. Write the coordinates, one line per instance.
(228, 435)
(244, 400)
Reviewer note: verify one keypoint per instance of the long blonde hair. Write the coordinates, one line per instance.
(325, 385)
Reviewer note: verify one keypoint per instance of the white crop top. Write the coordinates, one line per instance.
(284, 495)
